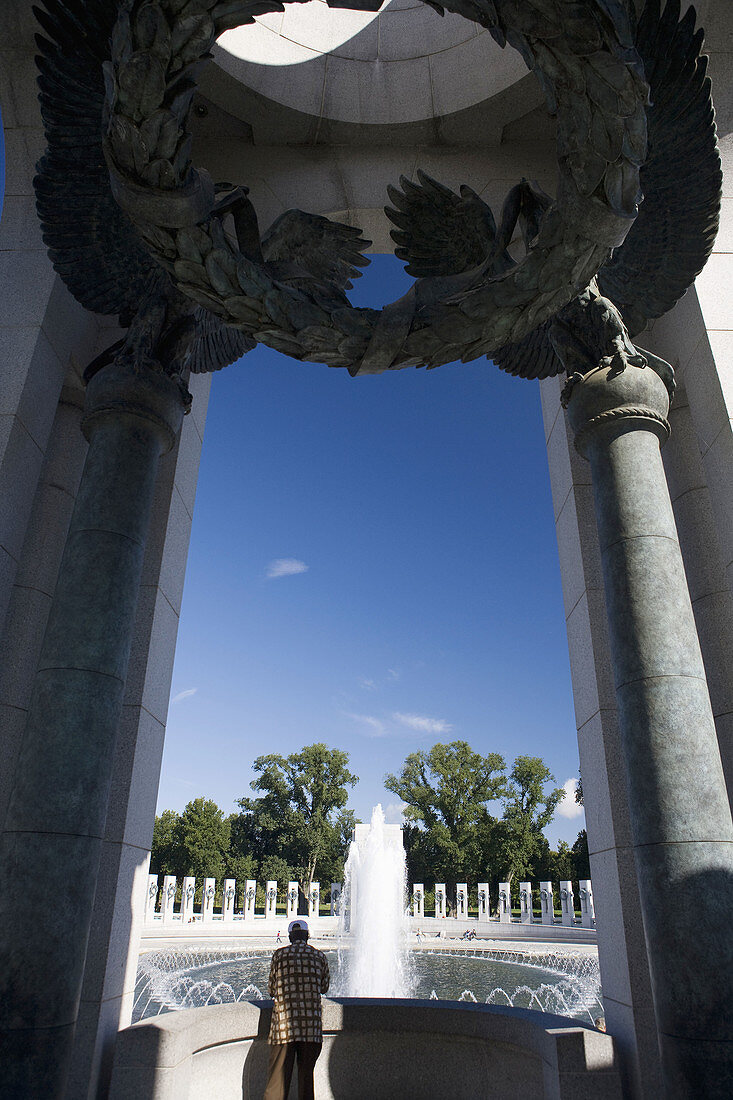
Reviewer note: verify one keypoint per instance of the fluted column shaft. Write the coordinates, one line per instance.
(55, 821)
(680, 814)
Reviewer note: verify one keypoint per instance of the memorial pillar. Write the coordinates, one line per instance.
(169, 898)
(547, 903)
(567, 902)
(483, 901)
(587, 909)
(250, 896)
(680, 816)
(314, 900)
(188, 892)
(151, 897)
(335, 898)
(271, 900)
(207, 900)
(505, 903)
(291, 903)
(58, 801)
(525, 902)
(227, 899)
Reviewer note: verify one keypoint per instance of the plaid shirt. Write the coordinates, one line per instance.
(298, 976)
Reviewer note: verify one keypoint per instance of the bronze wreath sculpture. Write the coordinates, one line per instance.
(287, 289)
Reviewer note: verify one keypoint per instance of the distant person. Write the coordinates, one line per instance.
(279, 937)
(600, 1023)
(298, 977)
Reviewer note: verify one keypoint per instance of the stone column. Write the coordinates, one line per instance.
(207, 900)
(169, 898)
(188, 892)
(271, 900)
(525, 902)
(483, 901)
(587, 909)
(505, 903)
(291, 906)
(59, 795)
(680, 815)
(440, 899)
(250, 895)
(151, 896)
(567, 902)
(461, 900)
(227, 899)
(547, 903)
(418, 900)
(335, 898)
(314, 900)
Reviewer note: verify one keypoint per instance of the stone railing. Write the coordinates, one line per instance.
(194, 901)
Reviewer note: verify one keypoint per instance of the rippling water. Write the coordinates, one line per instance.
(563, 983)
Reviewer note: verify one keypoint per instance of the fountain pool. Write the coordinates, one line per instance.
(566, 982)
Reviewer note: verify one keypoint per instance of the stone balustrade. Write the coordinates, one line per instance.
(165, 902)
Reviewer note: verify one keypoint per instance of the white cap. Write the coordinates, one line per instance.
(298, 926)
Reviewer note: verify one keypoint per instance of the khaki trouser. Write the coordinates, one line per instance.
(280, 1069)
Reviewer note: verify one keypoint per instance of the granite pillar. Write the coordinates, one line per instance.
(58, 800)
(680, 815)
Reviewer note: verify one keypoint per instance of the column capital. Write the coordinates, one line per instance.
(138, 392)
(608, 402)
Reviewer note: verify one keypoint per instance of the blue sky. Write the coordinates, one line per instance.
(372, 564)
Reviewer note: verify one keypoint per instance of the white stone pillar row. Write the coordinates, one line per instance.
(525, 902)
(314, 899)
(567, 902)
(271, 900)
(207, 900)
(228, 897)
(335, 898)
(250, 896)
(188, 893)
(440, 899)
(291, 904)
(587, 910)
(461, 900)
(483, 901)
(151, 896)
(547, 903)
(58, 802)
(169, 897)
(680, 814)
(505, 903)
(418, 900)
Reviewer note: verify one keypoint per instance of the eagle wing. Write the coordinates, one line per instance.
(439, 232)
(328, 251)
(216, 345)
(91, 242)
(672, 238)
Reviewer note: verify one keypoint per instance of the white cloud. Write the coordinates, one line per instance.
(393, 674)
(368, 685)
(285, 567)
(375, 726)
(394, 813)
(422, 724)
(567, 806)
(184, 695)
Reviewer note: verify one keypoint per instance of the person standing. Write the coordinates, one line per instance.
(298, 976)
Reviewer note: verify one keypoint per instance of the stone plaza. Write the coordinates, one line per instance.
(322, 108)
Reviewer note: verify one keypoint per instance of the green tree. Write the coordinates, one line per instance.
(164, 850)
(528, 809)
(449, 828)
(581, 859)
(202, 835)
(299, 817)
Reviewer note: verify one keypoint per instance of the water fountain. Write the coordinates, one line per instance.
(376, 960)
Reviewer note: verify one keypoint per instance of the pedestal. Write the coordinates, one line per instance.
(682, 833)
